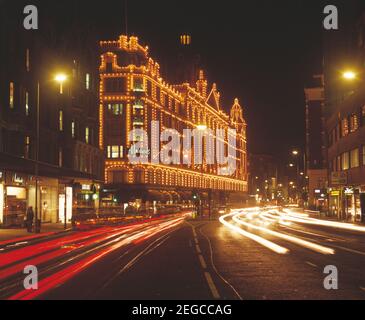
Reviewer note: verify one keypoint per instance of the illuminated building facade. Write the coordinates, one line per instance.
(133, 94)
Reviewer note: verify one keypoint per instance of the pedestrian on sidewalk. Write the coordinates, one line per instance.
(30, 218)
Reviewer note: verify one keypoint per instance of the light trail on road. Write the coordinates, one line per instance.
(266, 243)
(298, 241)
(59, 260)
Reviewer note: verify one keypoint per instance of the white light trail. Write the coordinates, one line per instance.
(333, 224)
(298, 241)
(266, 243)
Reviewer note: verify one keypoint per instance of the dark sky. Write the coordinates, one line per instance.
(261, 51)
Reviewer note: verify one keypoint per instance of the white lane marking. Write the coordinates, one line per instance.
(211, 285)
(349, 250)
(316, 234)
(202, 261)
(198, 249)
(311, 264)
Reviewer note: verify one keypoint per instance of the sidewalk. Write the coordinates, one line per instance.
(47, 229)
(325, 216)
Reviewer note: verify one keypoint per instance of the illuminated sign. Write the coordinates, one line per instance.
(348, 191)
(18, 179)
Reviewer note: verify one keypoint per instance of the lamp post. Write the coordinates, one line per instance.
(60, 78)
(202, 128)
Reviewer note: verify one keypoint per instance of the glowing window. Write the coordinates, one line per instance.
(87, 81)
(87, 135)
(26, 103)
(61, 120)
(11, 95)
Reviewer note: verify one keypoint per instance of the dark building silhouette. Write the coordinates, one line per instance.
(70, 162)
(345, 110)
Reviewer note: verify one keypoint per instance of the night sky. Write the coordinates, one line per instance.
(262, 51)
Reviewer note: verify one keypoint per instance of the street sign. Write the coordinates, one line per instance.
(338, 178)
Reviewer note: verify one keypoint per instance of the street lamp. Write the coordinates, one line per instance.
(60, 78)
(202, 127)
(349, 75)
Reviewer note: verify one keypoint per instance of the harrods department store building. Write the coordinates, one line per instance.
(132, 95)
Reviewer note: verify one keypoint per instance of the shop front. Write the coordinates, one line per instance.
(345, 203)
(86, 196)
(334, 202)
(14, 199)
(65, 202)
(47, 203)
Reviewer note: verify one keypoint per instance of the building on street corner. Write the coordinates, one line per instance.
(52, 85)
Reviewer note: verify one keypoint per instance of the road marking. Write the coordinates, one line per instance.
(311, 264)
(202, 261)
(349, 250)
(211, 285)
(198, 249)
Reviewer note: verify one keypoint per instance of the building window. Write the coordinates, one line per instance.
(138, 85)
(114, 152)
(11, 95)
(354, 158)
(117, 85)
(27, 103)
(60, 157)
(73, 129)
(27, 60)
(27, 147)
(354, 123)
(61, 120)
(116, 109)
(87, 135)
(363, 116)
(87, 81)
(345, 127)
(363, 155)
(345, 161)
(109, 67)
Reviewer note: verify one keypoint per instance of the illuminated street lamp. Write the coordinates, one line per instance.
(60, 78)
(295, 152)
(349, 75)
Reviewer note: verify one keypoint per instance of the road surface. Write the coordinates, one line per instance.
(250, 254)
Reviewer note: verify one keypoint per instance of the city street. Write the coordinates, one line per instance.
(248, 254)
